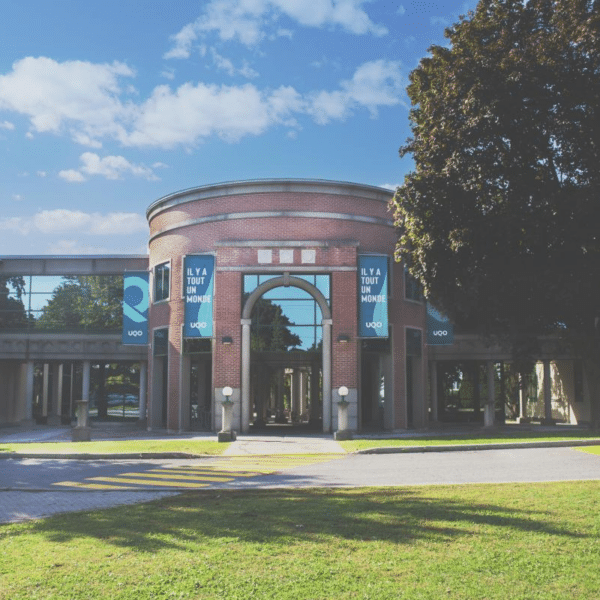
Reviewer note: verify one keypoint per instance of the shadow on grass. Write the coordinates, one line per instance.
(280, 517)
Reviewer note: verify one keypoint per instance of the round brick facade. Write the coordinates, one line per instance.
(281, 227)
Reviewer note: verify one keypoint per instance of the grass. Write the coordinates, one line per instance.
(491, 438)
(194, 447)
(517, 541)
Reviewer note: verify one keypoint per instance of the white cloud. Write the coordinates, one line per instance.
(63, 220)
(250, 21)
(390, 186)
(42, 174)
(374, 84)
(401, 10)
(71, 175)
(85, 100)
(7, 125)
(17, 197)
(192, 112)
(110, 167)
(82, 96)
(18, 224)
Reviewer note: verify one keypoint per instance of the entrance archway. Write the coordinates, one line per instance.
(286, 280)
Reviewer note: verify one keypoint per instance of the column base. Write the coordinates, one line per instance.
(81, 434)
(342, 435)
(548, 422)
(226, 436)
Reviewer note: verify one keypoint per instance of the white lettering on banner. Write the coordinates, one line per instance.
(198, 325)
(135, 333)
(373, 298)
(374, 325)
(440, 332)
(196, 299)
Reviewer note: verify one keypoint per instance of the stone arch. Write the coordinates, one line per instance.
(286, 280)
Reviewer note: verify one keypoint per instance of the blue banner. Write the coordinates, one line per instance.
(198, 282)
(440, 331)
(135, 308)
(372, 296)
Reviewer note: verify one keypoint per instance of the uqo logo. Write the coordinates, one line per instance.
(135, 333)
(374, 325)
(440, 332)
(197, 325)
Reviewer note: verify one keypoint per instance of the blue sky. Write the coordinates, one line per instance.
(106, 107)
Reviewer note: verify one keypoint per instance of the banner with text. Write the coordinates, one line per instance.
(372, 296)
(440, 331)
(135, 308)
(198, 282)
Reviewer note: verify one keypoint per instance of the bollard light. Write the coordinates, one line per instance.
(343, 392)
(227, 392)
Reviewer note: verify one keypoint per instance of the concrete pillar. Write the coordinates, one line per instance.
(45, 390)
(57, 377)
(28, 392)
(523, 418)
(547, 420)
(143, 390)
(296, 391)
(327, 323)
(82, 432)
(245, 412)
(433, 388)
(490, 407)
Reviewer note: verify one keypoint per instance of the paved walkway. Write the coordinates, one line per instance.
(269, 445)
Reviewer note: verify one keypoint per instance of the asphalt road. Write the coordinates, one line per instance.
(33, 488)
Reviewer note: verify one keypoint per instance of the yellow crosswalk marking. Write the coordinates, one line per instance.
(160, 474)
(93, 486)
(222, 470)
(150, 482)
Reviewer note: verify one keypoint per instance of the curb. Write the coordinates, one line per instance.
(136, 456)
(477, 447)
(380, 450)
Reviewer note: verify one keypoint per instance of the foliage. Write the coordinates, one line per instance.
(90, 303)
(270, 328)
(12, 310)
(499, 219)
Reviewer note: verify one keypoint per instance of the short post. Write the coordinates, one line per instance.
(82, 431)
(226, 434)
(343, 433)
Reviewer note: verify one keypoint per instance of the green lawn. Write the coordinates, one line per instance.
(195, 447)
(446, 440)
(513, 541)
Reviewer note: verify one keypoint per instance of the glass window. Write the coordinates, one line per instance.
(161, 282)
(413, 342)
(286, 318)
(161, 342)
(70, 304)
(412, 288)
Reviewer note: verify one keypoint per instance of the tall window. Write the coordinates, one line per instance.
(161, 282)
(412, 288)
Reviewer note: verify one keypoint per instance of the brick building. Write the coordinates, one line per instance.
(281, 291)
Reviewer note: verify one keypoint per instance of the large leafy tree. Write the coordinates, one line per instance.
(500, 218)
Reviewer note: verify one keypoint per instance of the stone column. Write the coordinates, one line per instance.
(490, 407)
(245, 413)
(54, 418)
(28, 392)
(547, 420)
(433, 387)
(45, 390)
(82, 432)
(327, 323)
(143, 391)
